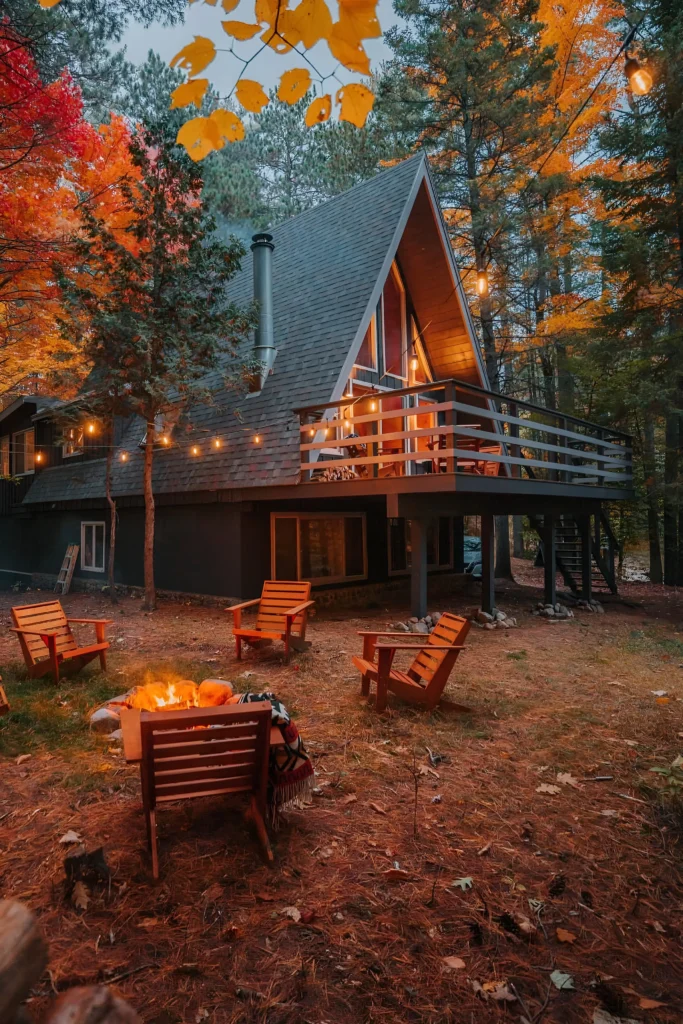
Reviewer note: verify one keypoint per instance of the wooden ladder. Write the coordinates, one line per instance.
(66, 572)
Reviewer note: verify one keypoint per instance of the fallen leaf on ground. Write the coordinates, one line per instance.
(70, 837)
(80, 897)
(463, 883)
(396, 875)
(524, 924)
(22, 758)
(648, 1004)
(601, 1016)
(350, 799)
(293, 912)
(265, 897)
(656, 926)
(545, 787)
(484, 849)
(662, 700)
(564, 936)
(659, 693)
(561, 980)
(610, 814)
(378, 808)
(454, 963)
(499, 991)
(148, 923)
(567, 779)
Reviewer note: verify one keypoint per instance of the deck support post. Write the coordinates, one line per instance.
(459, 544)
(488, 589)
(584, 523)
(418, 567)
(549, 560)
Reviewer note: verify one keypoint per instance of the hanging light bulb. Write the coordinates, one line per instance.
(39, 456)
(414, 362)
(373, 406)
(217, 442)
(91, 428)
(639, 78)
(164, 439)
(482, 284)
(195, 449)
(311, 433)
(124, 456)
(257, 439)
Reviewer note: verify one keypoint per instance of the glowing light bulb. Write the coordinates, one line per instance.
(195, 449)
(639, 78)
(124, 456)
(91, 428)
(164, 439)
(257, 439)
(414, 363)
(217, 442)
(39, 457)
(347, 424)
(373, 406)
(482, 283)
(311, 433)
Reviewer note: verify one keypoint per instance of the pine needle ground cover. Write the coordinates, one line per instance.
(534, 871)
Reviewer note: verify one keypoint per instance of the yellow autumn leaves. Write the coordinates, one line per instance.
(282, 28)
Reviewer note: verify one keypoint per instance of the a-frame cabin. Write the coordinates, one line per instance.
(370, 434)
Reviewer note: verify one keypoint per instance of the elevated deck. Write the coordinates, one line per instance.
(451, 436)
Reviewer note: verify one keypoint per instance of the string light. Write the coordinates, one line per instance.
(91, 428)
(257, 439)
(39, 457)
(414, 362)
(164, 439)
(195, 449)
(373, 406)
(311, 433)
(482, 284)
(639, 78)
(217, 442)
(124, 456)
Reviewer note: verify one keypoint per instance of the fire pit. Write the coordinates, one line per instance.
(162, 695)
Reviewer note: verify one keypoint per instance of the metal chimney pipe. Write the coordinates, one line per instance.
(264, 338)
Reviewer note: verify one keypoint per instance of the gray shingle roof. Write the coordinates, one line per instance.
(326, 264)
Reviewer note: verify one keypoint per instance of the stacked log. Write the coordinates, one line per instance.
(23, 959)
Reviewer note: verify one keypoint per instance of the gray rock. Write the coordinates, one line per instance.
(414, 619)
(483, 616)
(427, 620)
(402, 627)
(104, 720)
(117, 734)
(435, 617)
(500, 616)
(489, 625)
(512, 621)
(421, 627)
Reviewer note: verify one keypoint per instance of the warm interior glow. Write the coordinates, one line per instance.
(482, 283)
(639, 78)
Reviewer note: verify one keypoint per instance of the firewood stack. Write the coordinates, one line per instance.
(23, 959)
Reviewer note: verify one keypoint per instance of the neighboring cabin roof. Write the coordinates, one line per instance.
(328, 263)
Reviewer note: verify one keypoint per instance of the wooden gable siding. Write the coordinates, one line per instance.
(430, 284)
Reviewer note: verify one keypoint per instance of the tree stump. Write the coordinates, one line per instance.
(23, 957)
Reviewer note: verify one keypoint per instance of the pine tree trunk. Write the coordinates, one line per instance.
(517, 537)
(503, 569)
(671, 499)
(651, 489)
(112, 516)
(150, 602)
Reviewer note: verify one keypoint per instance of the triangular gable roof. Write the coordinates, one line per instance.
(329, 267)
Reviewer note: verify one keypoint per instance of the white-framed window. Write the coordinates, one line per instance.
(394, 326)
(23, 452)
(73, 443)
(367, 355)
(4, 456)
(320, 547)
(439, 545)
(92, 547)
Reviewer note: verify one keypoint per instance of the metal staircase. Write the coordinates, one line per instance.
(604, 546)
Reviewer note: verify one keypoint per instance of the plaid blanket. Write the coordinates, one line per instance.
(290, 775)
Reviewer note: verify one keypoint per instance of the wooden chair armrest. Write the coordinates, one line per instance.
(244, 604)
(293, 612)
(379, 632)
(420, 647)
(35, 632)
(106, 622)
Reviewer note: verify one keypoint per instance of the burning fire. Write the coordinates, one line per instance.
(178, 694)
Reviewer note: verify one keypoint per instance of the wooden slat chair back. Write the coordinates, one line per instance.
(204, 752)
(425, 680)
(47, 641)
(283, 610)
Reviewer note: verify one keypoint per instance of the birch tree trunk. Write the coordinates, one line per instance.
(150, 602)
